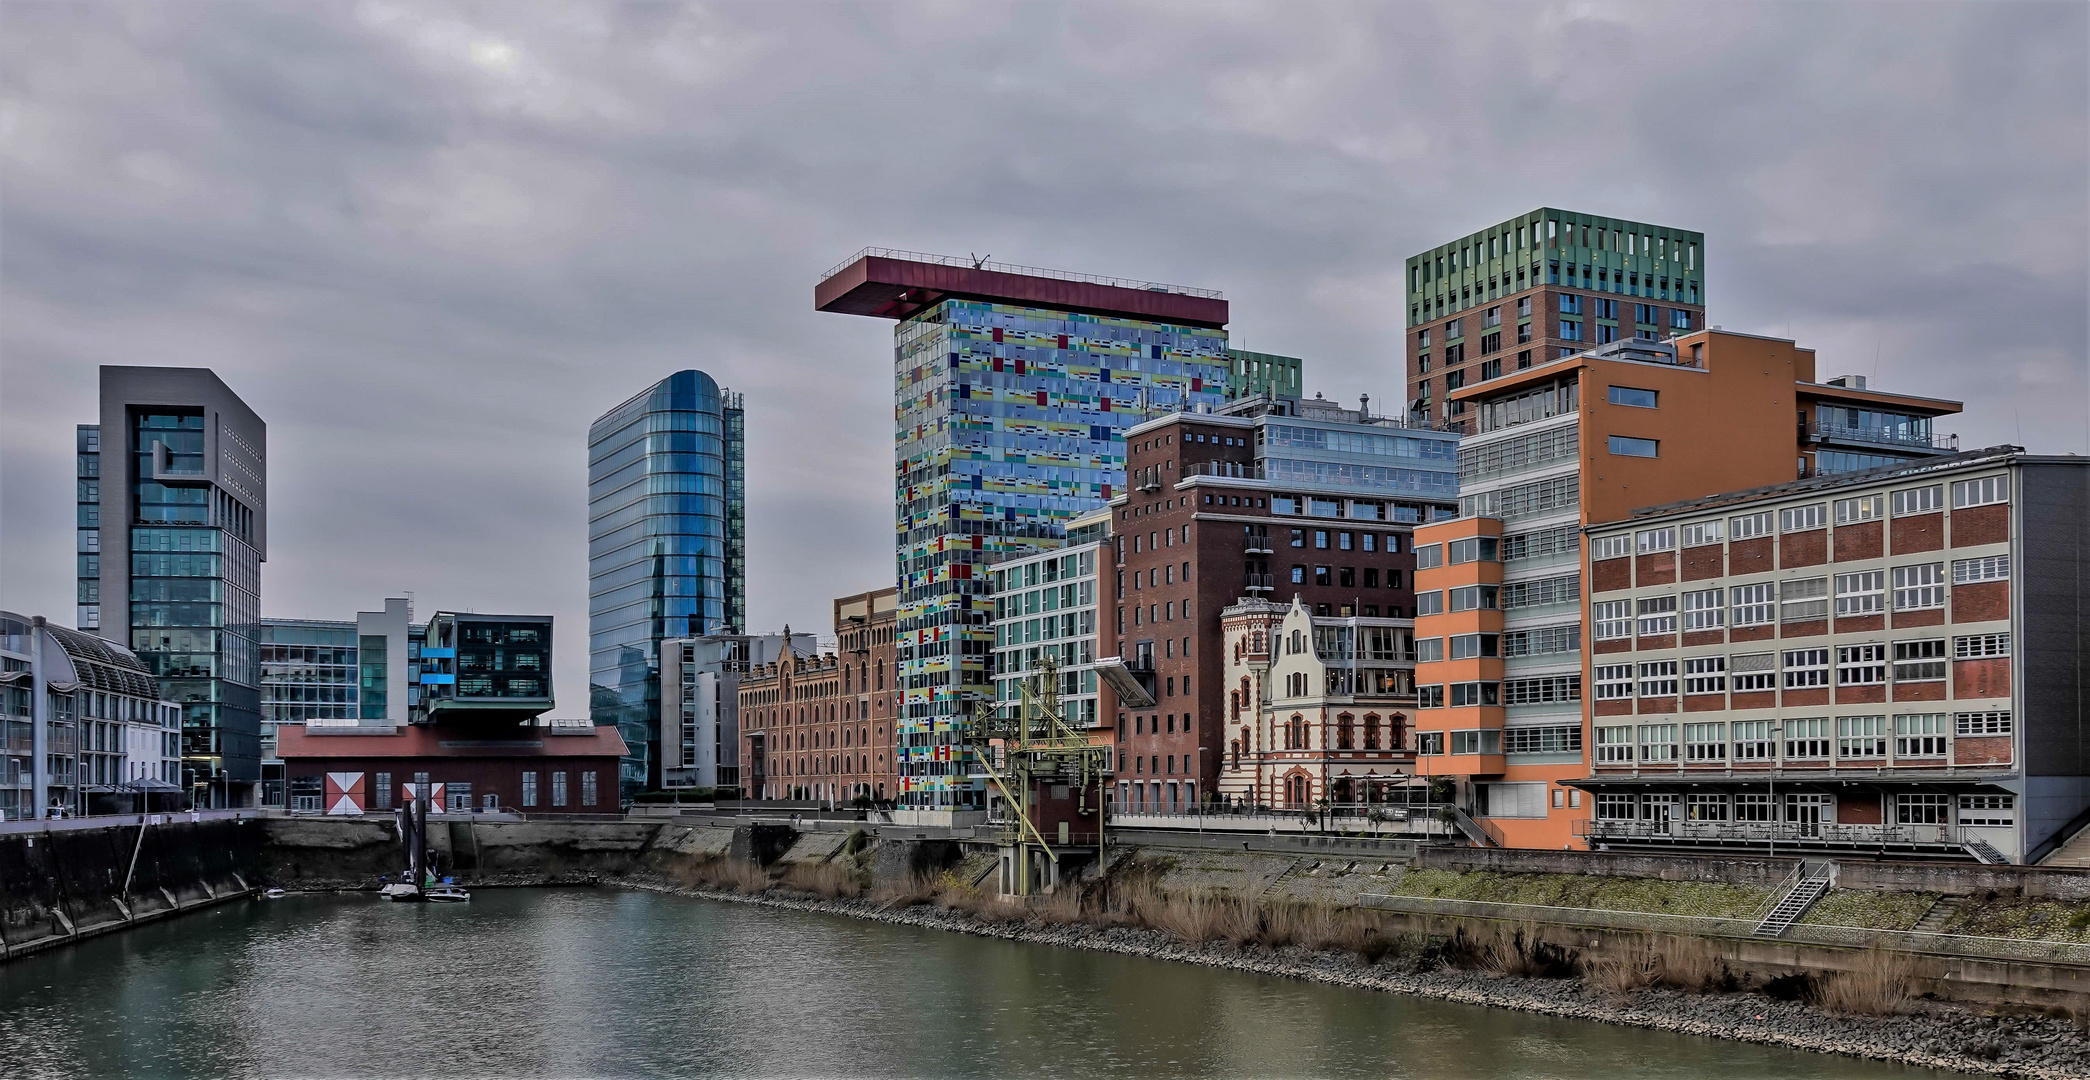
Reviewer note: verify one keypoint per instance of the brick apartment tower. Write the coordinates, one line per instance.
(1503, 617)
(1538, 287)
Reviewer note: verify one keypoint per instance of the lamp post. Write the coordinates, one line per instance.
(1197, 797)
(1777, 755)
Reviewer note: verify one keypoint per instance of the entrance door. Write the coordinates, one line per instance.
(1659, 811)
(1805, 813)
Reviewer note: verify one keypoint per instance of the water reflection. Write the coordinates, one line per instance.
(608, 983)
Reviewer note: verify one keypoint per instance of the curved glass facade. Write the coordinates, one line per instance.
(665, 549)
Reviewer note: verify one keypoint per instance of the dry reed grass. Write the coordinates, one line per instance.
(1198, 919)
(1694, 966)
(1621, 973)
(1878, 985)
(1062, 907)
(1510, 949)
(913, 890)
(829, 880)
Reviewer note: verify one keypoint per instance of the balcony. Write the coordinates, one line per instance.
(1225, 470)
(1259, 544)
(1261, 583)
(1921, 440)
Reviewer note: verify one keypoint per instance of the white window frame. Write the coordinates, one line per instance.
(1611, 682)
(1861, 593)
(1753, 605)
(1807, 739)
(1921, 735)
(1658, 743)
(1969, 725)
(1922, 808)
(1806, 669)
(1752, 672)
(1610, 547)
(1614, 745)
(1705, 742)
(1612, 619)
(1803, 599)
(1980, 646)
(1980, 491)
(1703, 609)
(1754, 740)
(1808, 518)
(1860, 508)
(1748, 526)
(1651, 540)
(1657, 615)
(1919, 586)
(1863, 664)
(1928, 499)
(1921, 660)
(1700, 534)
(1982, 568)
(1861, 738)
(1988, 811)
(1658, 679)
(1705, 675)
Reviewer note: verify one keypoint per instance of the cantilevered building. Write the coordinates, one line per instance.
(1013, 388)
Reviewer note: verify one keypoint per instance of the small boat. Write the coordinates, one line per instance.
(400, 890)
(274, 894)
(446, 894)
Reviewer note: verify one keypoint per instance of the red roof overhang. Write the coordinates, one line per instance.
(889, 288)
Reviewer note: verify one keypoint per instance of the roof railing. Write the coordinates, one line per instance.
(1011, 268)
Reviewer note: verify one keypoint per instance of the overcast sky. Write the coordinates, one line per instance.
(430, 242)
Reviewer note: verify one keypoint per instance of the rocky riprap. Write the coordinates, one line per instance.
(1929, 1034)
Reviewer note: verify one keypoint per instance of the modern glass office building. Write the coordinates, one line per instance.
(173, 528)
(666, 548)
(1013, 389)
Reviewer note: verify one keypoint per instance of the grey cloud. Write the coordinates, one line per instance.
(432, 241)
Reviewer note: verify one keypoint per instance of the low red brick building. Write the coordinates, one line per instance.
(531, 770)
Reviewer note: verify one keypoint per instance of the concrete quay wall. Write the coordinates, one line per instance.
(64, 884)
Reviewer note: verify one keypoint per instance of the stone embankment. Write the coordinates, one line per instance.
(64, 882)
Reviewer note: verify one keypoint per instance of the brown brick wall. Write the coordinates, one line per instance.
(1801, 698)
(1657, 706)
(1752, 556)
(1982, 601)
(1613, 708)
(1755, 699)
(1658, 641)
(1981, 750)
(1704, 703)
(1615, 645)
(1918, 532)
(1810, 628)
(1860, 695)
(1809, 548)
(1703, 562)
(1858, 809)
(1861, 624)
(1703, 637)
(1610, 575)
(1865, 540)
(1656, 569)
(1926, 617)
(1920, 691)
(1987, 677)
(1981, 525)
(1752, 633)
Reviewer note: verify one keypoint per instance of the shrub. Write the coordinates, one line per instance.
(918, 887)
(1619, 974)
(1690, 964)
(823, 879)
(1877, 985)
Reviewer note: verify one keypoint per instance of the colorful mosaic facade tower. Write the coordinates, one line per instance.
(1013, 389)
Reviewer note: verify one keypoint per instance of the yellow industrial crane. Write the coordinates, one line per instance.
(1051, 779)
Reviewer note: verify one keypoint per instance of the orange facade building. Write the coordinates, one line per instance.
(1501, 604)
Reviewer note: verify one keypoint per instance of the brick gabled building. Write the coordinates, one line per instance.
(1265, 498)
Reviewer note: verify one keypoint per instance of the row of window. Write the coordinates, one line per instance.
(1983, 491)
(1866, 664)
(1917, 587)
(1916, 808)
(1540, 690)
(1815, 738)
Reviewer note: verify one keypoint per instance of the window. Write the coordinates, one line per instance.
(1429, 603)
(1860, 738)
(1542, 690)
(1753, 741)
(1807, 738)
(1542, 641)
(1981, 723)
(1658, 679)
(1626, 446)
(1473, 549)
(1570, 329)
(1633, 396)
(1705, 742)
(1922, 500)
(1558, 739)
(1922, 809)
(1976, 646)
(1704, 807)
(1753, 671)
(1469, 646)
(1701, 534)
(1802, 518)
(1991, 568)
(1986, 490)
(1614, 745)
(1862, 593)
(1806, 668)
(1466, 695)
(1614, 682)
(1751, 604)
(1429, 650)
(1803, 599)
(1475, 598)
(1644, 313)
(1657, 615)
(1988, 811)
(1613, 619)
(1487, 741)
(1656, 540)
(1570, 304)
(1559, 540)
(1298, 578)
(1610, 547)
(1658, 742)
(1430, 697)
(1919, 735)
(1749, 525)
(1679, 319)
(588, 789)
(1428, 556)
(1919, 586)
(1919, 661)
(558, 789)
(1704, 610)
(1705, 675)
(529, 790)
(1862, 508)
(1542, 591)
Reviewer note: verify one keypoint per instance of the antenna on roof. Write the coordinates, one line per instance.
(978, 261)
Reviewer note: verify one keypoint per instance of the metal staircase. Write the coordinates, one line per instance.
(1981, 849)
(1472, 829)
(1813, 882)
